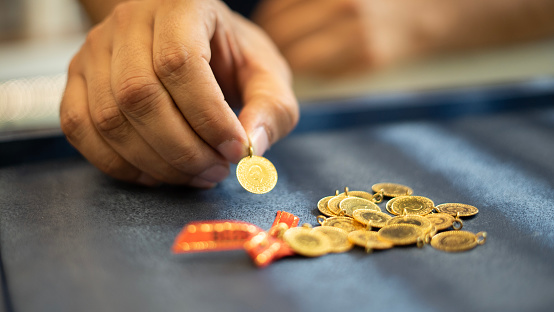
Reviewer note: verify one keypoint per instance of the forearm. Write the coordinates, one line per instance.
(98, 9)
(467, 24)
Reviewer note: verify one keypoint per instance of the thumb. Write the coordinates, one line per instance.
(270, 108)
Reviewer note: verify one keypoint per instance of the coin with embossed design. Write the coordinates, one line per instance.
(401, 234)
(256, 174)
(392, 189)
(416, 205)
(422, 222)
(453, 241)
(453, 208)
(368, 239)
(365, 216)
(338, 238)
(306, 242)
(440, 220)
(345, 223)
(323, 208)
(350, 204)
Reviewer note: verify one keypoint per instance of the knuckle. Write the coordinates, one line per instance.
(137, 94)
(94, 35)
(173, 60)
(110, 122)
(71, 124)
(187, 159)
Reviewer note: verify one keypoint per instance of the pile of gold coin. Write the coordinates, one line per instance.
(355, 218)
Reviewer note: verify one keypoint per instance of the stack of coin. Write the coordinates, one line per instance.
(354, 218)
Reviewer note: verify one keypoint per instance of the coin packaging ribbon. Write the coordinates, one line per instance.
(221, 235)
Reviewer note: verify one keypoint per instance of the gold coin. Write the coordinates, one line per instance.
(453, 208)
(368, 239)
(306, 242)
(377, 219)
(440, 220)
(419, 221)
(338, 238)
(453, 241)
(391, 201)
(322, 206)
(256, 174)
(333, 203)
(392, 189)
(416, 205)
(345, 223)
(401, 234)
(350, 204)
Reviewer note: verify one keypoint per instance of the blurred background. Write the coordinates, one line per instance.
(39, 37)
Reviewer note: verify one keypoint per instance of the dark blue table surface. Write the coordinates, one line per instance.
(72, 239)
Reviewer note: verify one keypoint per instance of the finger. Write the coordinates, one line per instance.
(183, 31)
(110, 122)
(148, 107)
(267, 9)
(77, 126)
(270, 108)
(327, 51)
(304, 19)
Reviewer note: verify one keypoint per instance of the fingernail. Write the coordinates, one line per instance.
(260, 141)
(214, 174)
(200, 183)
(146, 179)
(233, 150)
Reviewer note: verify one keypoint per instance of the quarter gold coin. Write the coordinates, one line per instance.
(454, 241)
(392, 189)
(368, 239)
(345, 223)
(350, 204)
(419, 221)
(323, 208)
(306, 242)
(401, 234)
(440, 220)
(333, 203)
(377, 219)
(338, 238)
(256, 174)
(390, 202)
(453, 208)
(416, 205)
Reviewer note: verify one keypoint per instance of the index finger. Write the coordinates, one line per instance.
(182, 53)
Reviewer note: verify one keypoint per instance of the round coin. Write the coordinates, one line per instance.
(453, 208)
(377, 219)
(322, 206)
(401, 234)
(306, 242)
(419, 221)
(338, 238)
(453, 241)
(440, 220)
(350, 204)
(368, 239)
(345, 223)
(392, 189)
(416, 205)
(256, 174)
(391, 201)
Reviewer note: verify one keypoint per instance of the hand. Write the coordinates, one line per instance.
(340, 36)
(147, 96)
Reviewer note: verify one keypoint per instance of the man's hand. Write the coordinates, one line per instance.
(147, 96)
(334, 36)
